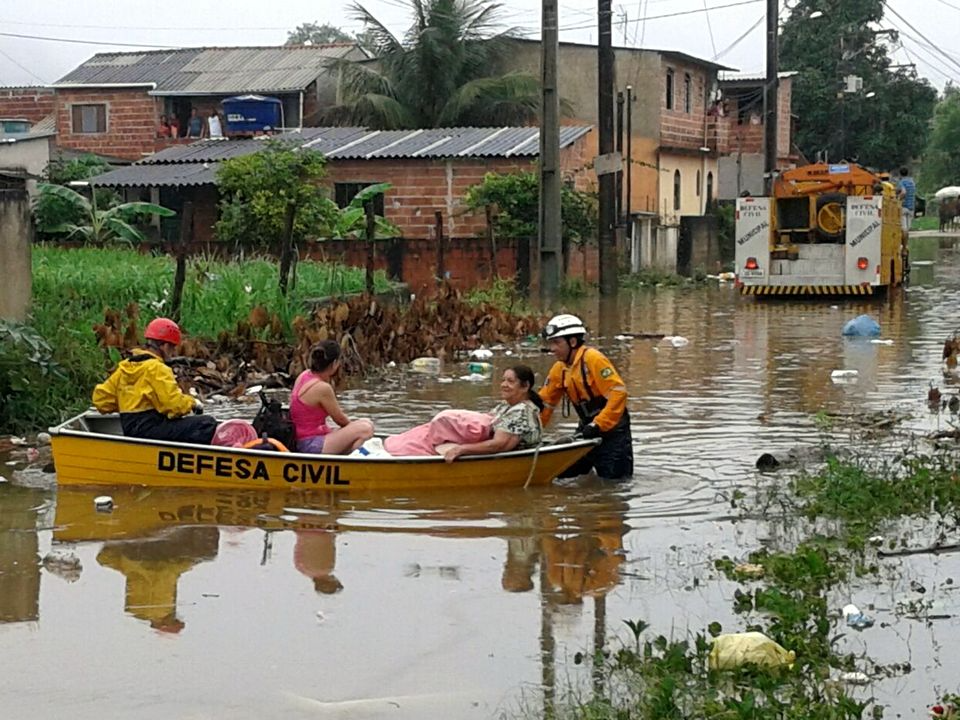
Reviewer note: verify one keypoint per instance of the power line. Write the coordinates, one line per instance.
(706, 14)
(934, 47)
(740, 39)
(140, 27)
(87, 42)
(949, 5)
(25, 69)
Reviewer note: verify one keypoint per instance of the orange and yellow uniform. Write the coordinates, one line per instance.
(593, 385)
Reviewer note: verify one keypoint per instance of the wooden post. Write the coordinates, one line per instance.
(371, 236)
(180, 277)
(441, 270)
(286, 252)
(491, 242)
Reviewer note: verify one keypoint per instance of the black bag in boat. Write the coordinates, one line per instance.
(273, 420)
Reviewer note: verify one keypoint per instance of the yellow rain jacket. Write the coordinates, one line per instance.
(142, 383)
(589, 378)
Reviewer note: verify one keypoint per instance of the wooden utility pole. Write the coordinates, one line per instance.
(608, 180)
(441, 268)
(180, 276)
(550, 225)
(371, 236)
(770, 97)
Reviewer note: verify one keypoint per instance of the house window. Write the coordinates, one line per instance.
(89, 118)
(698, 183)
(669, 88)
(709, 189)
(676, 189)
(687, 93)
(343, 193)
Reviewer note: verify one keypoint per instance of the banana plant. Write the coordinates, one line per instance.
(102, 226)
(352, 220)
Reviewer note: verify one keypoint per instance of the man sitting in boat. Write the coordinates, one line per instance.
(145, 393)
(514, 424)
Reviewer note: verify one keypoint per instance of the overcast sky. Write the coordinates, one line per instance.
(185, 23)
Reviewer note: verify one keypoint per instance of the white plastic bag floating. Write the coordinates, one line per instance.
(844, 376)
(481, 353)
(678, 341)
(750, 648)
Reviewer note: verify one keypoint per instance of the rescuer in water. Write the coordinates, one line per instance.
(586, 378)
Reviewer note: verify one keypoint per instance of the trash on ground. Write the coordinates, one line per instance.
(752, 570)
(856, 619)
(678, 341)
(855, 678)
(475, 377)
(876, 540)
(103, 503)
(844, 376)
(481, 353)
(43, 438)
(623, 337)
(425, 364)
(14, 440)
(861, 326)
(735, 650)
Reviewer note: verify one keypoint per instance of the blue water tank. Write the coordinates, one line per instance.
(252, 114)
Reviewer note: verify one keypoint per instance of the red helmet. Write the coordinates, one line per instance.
(163, 330)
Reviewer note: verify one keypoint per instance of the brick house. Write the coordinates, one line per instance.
(740, 132)
(674, 170)
(21, 108)
(112, 103)
(430, 171)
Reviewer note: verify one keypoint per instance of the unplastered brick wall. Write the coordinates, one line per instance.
(28, 103)
(421, 188)
(679, 128)
(131, 122)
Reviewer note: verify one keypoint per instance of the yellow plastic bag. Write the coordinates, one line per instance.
(749, 648)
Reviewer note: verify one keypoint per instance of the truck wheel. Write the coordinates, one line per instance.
(831, 216)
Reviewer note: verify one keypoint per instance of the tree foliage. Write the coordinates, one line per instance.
(882, 131)
(97, 226)
(257, 189)
(317, 34)
(352, 221)
(517, 199)
(440, 74)
(941, 161)
(51, 211)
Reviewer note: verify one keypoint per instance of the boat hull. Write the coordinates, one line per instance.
(85, 457)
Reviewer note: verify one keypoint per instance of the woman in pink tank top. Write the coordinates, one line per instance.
(313, 401)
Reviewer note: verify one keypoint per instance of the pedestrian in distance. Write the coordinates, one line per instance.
(144, 391)
(587, 379)
(907, 192)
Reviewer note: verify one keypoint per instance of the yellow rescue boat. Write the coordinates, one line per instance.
(90, 449)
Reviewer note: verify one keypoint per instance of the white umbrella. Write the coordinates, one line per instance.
(950, 191)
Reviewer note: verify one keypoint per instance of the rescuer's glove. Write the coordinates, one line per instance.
(590, 432)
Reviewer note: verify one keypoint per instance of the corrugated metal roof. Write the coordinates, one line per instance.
(355, 143)
(732, 77)
(212, 70)
(196, 164)
(159, 176)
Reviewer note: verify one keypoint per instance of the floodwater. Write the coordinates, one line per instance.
(248, 604)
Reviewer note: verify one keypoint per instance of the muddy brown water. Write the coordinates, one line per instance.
(187, 604)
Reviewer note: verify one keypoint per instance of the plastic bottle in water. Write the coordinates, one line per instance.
(482, 368)
(425, 365)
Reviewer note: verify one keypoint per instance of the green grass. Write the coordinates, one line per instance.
(73, 287)
(927, 222)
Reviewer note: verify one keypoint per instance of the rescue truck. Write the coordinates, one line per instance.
(827, 230)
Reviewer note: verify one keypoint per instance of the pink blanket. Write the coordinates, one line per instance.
(449, 426)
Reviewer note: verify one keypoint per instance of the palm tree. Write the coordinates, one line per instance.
(441, 74)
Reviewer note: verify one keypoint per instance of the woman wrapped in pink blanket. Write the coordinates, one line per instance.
(514, 424)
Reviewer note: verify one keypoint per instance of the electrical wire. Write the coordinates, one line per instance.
(740, 39)
(87, 42)
(25, 69)
(706, 14)
(906, 22)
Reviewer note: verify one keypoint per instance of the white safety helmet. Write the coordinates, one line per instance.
(563, 326)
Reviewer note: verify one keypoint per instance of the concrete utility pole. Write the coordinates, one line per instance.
(550, 225)
(770, 97)
(608, 180)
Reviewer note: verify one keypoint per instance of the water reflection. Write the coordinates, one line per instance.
(19, 554)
